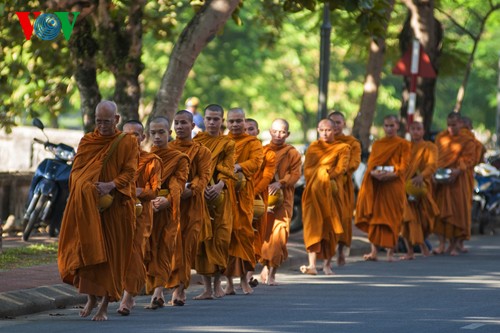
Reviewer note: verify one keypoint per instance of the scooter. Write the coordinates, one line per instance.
(49, 187)
(486, 196)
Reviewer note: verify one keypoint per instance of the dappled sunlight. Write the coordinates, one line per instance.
(234, 329)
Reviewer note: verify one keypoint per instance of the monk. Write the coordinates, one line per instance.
(94, 246)
(381, 199)
(147, 183)
(213, 247)
(262, 178)
(249, 157)
(421, 210)
(456, 152)
(277, 227)
(348, 203)
(325, 166)
(166, 211)
(194, 211)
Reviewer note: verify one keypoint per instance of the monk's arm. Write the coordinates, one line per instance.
(150, 191)
(128, 169)
(355, 159)
(404, 160)
(295, 165)
(226, 166)
(179, 178)
(201, 179)
(342, 163)
(431, 161)
(252, 165)
(467, 159)
(267, 174)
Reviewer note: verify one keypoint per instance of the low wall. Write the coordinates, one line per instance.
(14, 189)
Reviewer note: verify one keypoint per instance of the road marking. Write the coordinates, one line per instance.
(472, 326)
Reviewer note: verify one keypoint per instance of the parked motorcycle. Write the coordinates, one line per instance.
(486, 197)
(49, 187)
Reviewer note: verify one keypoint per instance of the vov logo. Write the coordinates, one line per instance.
(47, 26)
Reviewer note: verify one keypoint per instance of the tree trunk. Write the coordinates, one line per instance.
(197, 34)
(364, 119)
(122, 49)
(422, 25)
(83, 49)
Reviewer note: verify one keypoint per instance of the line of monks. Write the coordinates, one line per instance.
(221, 203)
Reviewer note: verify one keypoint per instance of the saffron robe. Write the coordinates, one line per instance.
(166, 222)
(380, 206)
(419, 216)
(277, 228)
(213, 247)
(348, 203)
(321, 216)
(148, 178)
(262, 179)
(95, 248)
(455, 199)
(194, 212)
(249, 155)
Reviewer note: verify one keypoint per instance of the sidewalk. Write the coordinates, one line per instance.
(34, 289)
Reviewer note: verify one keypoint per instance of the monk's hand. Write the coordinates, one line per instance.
(160, 203)
(138, 191)
(377, 174)
(273, 188)
(388, 176)
(212, 192)
(104, 188)
(237, 168)
(418, 181)
(187, 193)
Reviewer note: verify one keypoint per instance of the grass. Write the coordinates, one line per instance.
(32, 255)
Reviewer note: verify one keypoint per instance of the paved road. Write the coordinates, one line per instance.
(436, 294)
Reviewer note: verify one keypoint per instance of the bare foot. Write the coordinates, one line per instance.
(264, 274)
(341, 260)
(102, 312)
(308, 270)
(391, 258)
(207, 294)
(370, 257)
(438, 251)
(454, 253)
(328, 270)
(126, 304)
(408, 257)
(230, 290)
(218, 291)
(271, 281)
(245, 287)
(91, 304)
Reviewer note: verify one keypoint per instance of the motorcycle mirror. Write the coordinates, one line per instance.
(38, 123)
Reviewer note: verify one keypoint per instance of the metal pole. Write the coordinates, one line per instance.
(498, 108)
(324, 63)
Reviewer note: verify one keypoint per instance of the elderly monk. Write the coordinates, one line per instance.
(249, 157)
(348, 203)
(456, 152)
(166, 211)
(94, 246)
(381, 199)
(277, 229)
(213, 247)
(261, 179)
(147, 183)
(421, 209)
(325, 166)
(194, 212)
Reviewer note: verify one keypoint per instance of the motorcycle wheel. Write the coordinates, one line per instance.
(34, 218)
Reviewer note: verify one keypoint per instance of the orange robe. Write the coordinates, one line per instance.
(95, 248)
(380, 206)
(348, 203)
(277, 228)
(213, 248)
(455, 199)
(419, 216)
(321, 215)
(194, 211)
(249, 155)
(148, 178)
(262, 179)
(166, 222)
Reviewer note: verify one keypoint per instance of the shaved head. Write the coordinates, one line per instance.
(281, 121)
(161, 120)
(236, 110)
(185, 113)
